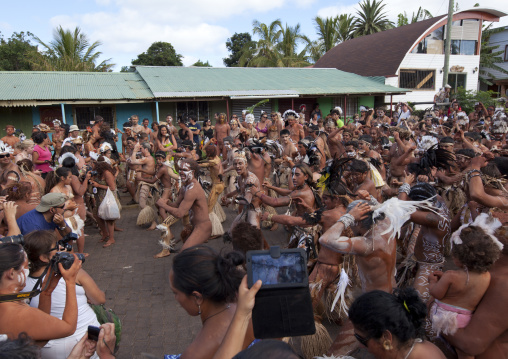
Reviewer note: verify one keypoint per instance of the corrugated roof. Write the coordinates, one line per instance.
(174, 82)
(32, 85)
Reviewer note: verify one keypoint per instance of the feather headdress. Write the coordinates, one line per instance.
(339, 109)
(426, 143)
(249, 118)
(94, 155)
(486, 222)
(5, 148)
(499, 122)
(331, 176)
(274, 147)
(240, 155)
(290, 113)
(56, 122)
(67, 155)
(399, 212)
(105, 147)
(436, 157)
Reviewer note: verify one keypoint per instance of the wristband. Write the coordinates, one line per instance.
(62, 228)
(406, 188)
(373, 201)
(347, 219)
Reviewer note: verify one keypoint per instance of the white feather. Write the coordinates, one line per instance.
(5, 148)
(344, 282)
(399, 212)
(67, 155)
(290, 113)
(427, 142)
(486, 222)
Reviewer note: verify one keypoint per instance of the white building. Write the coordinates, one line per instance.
(412, 56)
(499, 79)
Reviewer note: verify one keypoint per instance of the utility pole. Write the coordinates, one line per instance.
(448, 41)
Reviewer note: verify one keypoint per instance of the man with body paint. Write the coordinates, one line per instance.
(247, 187)
(191, 201)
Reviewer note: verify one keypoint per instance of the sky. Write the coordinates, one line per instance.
(197, 29)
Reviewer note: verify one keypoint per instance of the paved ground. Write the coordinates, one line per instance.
(137, 287)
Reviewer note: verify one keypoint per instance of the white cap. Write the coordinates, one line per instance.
(447, 86)
(363, 108)
(73, 128)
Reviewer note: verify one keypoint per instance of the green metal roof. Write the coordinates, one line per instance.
(59, 85)
(174, 82)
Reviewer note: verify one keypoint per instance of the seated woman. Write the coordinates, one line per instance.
(16, 316)
(38, 183)
(206, 284)
(40, 248)
(392, 325)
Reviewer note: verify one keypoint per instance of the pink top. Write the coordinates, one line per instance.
(43, 156)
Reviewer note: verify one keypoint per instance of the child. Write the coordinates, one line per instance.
(458, 292)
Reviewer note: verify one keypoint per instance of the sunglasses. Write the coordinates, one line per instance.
(264, 117)
(6, 155)
(362, 340)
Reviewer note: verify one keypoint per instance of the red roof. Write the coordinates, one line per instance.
(379, 54)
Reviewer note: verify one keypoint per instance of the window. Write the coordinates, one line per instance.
(463, 47)
(456, 80)
(192, 108)
(86, 114)
(432, 44)
(417, 79)
(351, 105)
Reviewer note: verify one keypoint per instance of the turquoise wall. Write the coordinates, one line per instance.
(125, 110)
(367, 101)
(325, 105)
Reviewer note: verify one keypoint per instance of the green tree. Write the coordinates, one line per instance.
(264, 53)
(330, 31)
(421, 14)
(371, 18)
(490, 56)
(467, 98)
(200, 63)
(159, 54)
(236, 44)
(15, 52)
(127, 69)
(291, 37)
(345, 27)
(69, 51)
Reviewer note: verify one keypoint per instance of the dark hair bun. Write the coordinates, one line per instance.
(417, 309)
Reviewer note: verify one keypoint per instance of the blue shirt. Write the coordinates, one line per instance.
(193, 128)
(34, 221)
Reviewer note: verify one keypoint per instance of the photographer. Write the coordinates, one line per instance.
(16, 316)
(48, 215)
(41, 247)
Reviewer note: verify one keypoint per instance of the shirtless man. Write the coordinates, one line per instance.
(326, 270)
(320, 144)
(397, 164)
(186, 151)
(147, 129)
(229, 171)
(135, 127)
(171, 127)
(295, 129)
(164, 174)
(248, 185)
(366, 153)
(9, 172)
(125, 135)
(221, 130)
(10, 139)
(336, 140)
(375, 254)
(57, 138)
(288, 151)
(214, 165)
(191, 201)
(147, 164)
(358, 178)
(96, 128)
(429, 234)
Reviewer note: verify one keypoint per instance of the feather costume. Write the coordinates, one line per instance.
(489, 225)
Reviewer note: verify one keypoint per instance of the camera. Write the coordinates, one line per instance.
(66, 259)
(18, 239)
(64, 242)
(94, 173)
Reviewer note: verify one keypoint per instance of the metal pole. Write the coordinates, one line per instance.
(292, 103)
(157, 111)
(447, 43)
(391, 106)
(63, 112)
(227, 109)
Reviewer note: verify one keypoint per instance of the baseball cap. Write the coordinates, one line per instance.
(73, 128)
(50, 200)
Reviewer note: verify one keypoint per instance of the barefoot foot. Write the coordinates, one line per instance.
(163, 253)
(152, 227)
(109, 243)
(118, 229)
(274, 227)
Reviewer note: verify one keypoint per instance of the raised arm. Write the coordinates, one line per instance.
(476, 190)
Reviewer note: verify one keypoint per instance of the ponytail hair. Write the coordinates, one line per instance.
(203, 270)
(401, 313)
(53, 178)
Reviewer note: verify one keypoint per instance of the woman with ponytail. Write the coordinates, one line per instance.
(392, 325)
(205, 284)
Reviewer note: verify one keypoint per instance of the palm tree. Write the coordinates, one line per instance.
(327, 32)
(421, 14)
(265, 53)
(287, 47)
(345, 27)
(371, 18)
(70, 51)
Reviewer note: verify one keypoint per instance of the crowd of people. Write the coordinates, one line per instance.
(381, 204)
